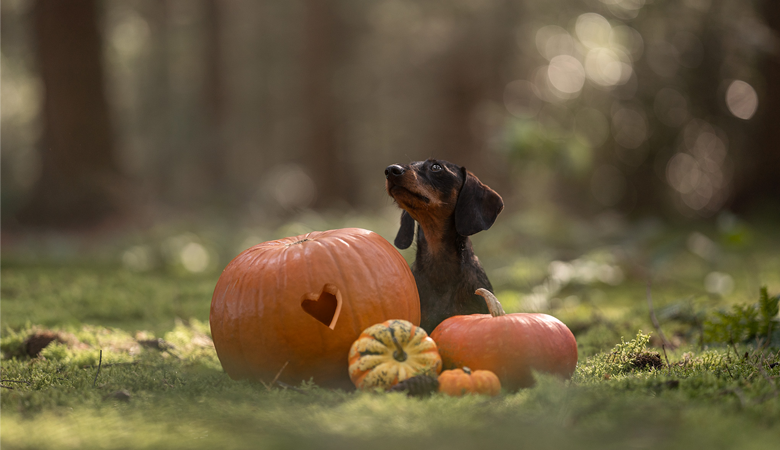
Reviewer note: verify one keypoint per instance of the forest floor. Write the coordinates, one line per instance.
(109, 347)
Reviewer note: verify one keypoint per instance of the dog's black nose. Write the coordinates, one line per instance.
(394, 170)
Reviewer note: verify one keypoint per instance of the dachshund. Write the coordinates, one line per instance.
(449, 204)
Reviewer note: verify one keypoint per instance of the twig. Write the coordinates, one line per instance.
(287, 386)
(15, 381)
(734, 347)
(6, 387)
(133, 363)
(276, 378)
(766, 375)
(279, 373)
(654, 319)
(668, 366)
(100, 363)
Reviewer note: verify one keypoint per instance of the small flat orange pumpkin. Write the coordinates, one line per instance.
(459, 382)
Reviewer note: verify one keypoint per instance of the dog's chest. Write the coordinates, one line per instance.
(453, 295)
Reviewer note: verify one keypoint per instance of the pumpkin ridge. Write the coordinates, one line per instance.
(373, 280)
(216, 313)
(242, 305)
(236, 308)
(308, 257)
(361, 377)
(347, 284)
(281, 283)
(399, 354)
(240, 338)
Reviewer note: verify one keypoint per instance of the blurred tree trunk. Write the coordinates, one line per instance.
(470, 78)
(79, 176)
(214, 93)
(326, 160)
(756, 184)
(155, 99)
(463, 88)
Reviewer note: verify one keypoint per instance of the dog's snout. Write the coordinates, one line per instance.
(394, 170)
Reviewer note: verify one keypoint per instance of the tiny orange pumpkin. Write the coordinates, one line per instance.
(390, 352)
(458, 382)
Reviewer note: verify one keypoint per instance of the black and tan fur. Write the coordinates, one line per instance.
(449, 204)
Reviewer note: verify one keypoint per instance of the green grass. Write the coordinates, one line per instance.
(701, 394)
(182, 399)
(67, 295)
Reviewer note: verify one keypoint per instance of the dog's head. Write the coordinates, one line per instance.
(436, 192)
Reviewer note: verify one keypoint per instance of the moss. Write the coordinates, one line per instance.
(175, 394)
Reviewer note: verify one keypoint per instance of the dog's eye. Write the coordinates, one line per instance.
(435, 168)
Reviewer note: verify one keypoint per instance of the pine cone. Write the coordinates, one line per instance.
(417, 386)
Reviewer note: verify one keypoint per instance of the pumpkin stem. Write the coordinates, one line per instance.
(399, 355)
(494, 306)
(466, 370)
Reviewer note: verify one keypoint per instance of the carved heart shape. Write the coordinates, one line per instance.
(325, 306)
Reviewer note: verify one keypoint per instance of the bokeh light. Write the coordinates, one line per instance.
(553, 40)
(194, 257)
(291, 186)
(138, 258)
(624, 9)
(719, 283)
(628, 38)
(703, 246)
(607, 67)
(700, 172)
(566, 74)
(593, 30)
(683, 173)
(741, 99)
(130, 34)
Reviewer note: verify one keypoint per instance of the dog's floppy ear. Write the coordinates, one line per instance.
(405, 234)
(477, 206)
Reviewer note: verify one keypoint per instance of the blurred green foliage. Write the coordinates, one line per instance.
(744, 323)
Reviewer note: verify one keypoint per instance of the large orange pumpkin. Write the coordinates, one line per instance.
(509, 345)
(302, 301)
